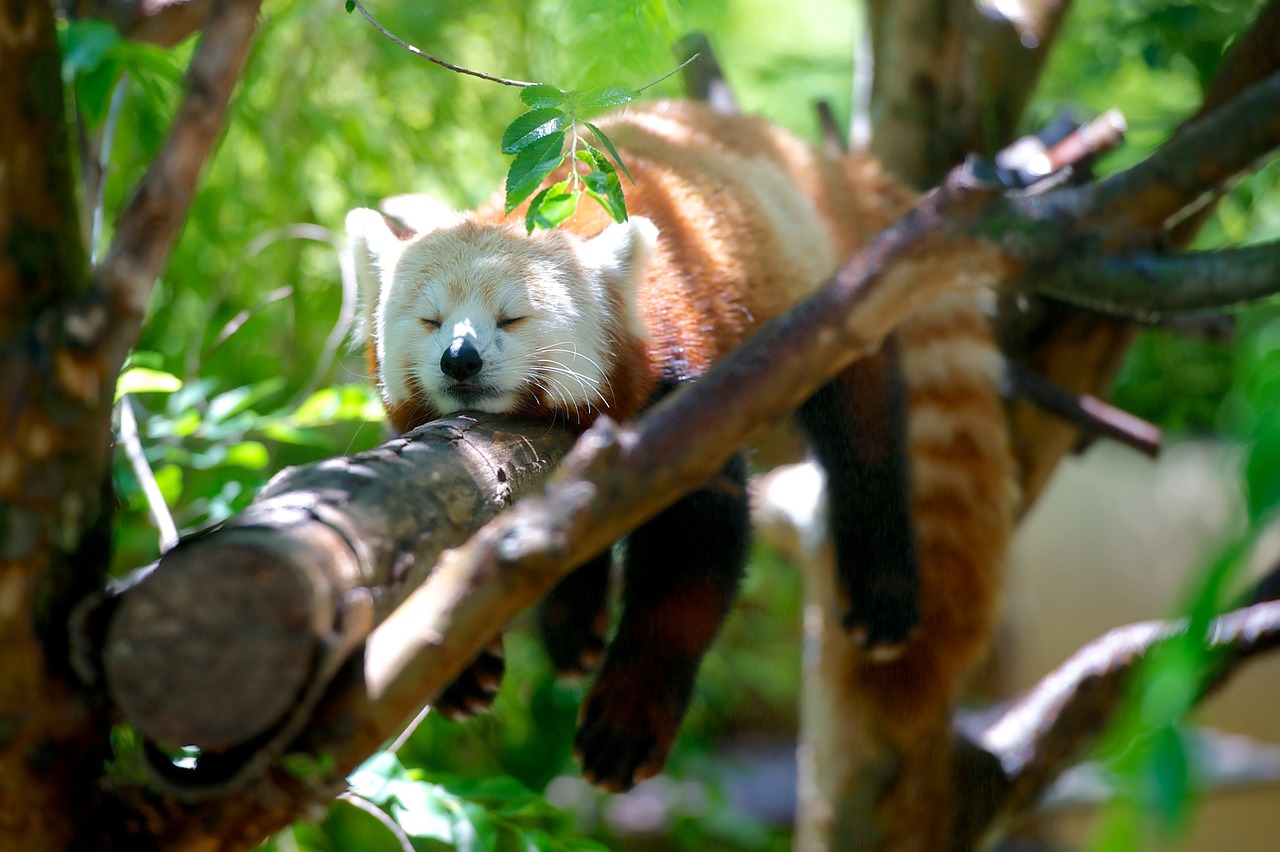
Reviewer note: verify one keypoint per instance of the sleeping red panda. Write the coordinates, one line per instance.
(733, 220)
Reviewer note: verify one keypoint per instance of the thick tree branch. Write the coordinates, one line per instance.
(953, 78)
(320, 556)
(149, 225)
(1147, 286)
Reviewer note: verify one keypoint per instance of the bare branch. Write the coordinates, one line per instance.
(1091, 414)
(162, 22)
(1050, 728)
(1201, 157)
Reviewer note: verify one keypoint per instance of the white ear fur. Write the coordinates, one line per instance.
(620, 253)
(375, 249)
(419, 213)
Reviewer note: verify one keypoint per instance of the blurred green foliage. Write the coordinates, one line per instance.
(237, 376)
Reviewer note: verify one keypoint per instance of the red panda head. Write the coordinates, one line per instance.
(485, 317)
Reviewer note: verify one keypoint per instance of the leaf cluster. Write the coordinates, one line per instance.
(547, 135)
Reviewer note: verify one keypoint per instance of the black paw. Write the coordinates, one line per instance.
(618, 746)
(575, 646)
(574, 618)
(630, 719)
(883, 626)
(472, 693)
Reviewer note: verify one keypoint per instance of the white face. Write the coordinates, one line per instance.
(490, 319)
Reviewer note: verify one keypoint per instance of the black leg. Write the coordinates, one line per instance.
(858, 430)
(683, 568)
(574, 617)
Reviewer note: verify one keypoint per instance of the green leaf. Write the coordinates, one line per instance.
(473, 828)
(538, 840)
(169, 481)
(609, 97)
(286, 433)
(531, 166)
(146, 380)
(527, 129)
(239, 399)
(85, 45)
(551, 207)
(351, 6)
(542, 96)
(249, 454)
(603, 184)
(608, 146)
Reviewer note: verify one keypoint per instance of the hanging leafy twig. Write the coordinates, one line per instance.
(548, 133)
(356, 6)
(538, 139)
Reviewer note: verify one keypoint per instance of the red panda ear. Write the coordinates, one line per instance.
(415, 213)
(375, 247)
(621, 252)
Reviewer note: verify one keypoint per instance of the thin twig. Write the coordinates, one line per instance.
(133, 451)
(1088, 412)
(672, 72)
(523, 84)
(104, 153)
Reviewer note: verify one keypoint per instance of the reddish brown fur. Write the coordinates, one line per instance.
(722, 268)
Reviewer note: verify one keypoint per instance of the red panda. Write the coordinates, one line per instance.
(733, 220)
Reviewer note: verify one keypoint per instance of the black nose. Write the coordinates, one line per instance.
(461, 360)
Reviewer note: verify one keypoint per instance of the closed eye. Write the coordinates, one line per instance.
(510, 321)
(429, 324)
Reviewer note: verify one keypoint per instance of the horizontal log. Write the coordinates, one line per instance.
(216, 646)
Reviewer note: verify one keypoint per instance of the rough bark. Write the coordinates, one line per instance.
(1049, 729)
(52, 453)
(216, 645)
(952, 79)
(64, 333)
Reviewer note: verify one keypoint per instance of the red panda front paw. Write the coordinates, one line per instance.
(626, 728)
(472, 692)
(575, 646)
(882, 626)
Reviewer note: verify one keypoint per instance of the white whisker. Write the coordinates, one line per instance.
(573, 350)
(589, 384)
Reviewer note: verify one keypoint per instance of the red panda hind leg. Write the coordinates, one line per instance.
(857, 428)
(682, 572)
